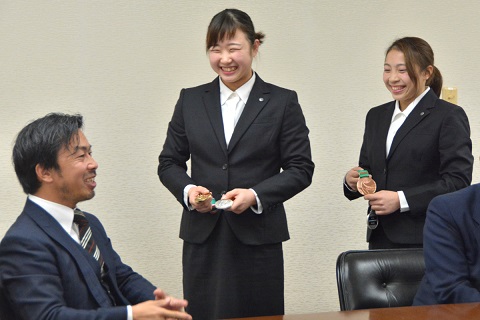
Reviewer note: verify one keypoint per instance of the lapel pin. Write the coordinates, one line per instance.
(422, 113)
(260, 99)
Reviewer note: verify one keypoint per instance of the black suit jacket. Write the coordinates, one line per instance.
(269, 151)
(431, 154)
(44, 273)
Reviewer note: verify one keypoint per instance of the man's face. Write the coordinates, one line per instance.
(75, 180)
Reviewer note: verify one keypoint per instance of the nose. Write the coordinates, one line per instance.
(225, 57)
(92, 164)
(393, 76)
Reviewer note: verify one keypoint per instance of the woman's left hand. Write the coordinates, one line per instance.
(242, 200)
(383, 202)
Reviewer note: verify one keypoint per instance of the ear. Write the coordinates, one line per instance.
(43, 175)
(427, 73)
(256, 45)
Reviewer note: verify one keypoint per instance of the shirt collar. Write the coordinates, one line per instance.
(410, 107)
(243, 92)
(62, 214)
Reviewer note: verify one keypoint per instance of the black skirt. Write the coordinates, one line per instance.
(224, 278)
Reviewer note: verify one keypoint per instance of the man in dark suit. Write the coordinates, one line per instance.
(452, 249)
(45, 272)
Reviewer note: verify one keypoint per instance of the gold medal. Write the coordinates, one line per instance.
(366, 185)
(203, 197)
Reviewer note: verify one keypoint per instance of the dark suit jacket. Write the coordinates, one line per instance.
(452, 249)
(45, 274)
(270, 136)
(431, 154)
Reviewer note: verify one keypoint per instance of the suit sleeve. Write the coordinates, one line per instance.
(296, 162)
(456, 162)
(172, 168)
(447, 265)
(34, 288)
(362, 162)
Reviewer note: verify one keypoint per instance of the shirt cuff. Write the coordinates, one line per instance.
(259, 208)
(185, 196)
(403, 201)
(347, 186)
(129, 313)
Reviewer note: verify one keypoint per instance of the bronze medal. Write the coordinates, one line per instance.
(366, 185)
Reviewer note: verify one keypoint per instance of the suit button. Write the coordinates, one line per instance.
(225, 166)
(385, 171)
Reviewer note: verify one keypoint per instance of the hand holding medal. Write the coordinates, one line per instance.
(217, 204)
(365, 184)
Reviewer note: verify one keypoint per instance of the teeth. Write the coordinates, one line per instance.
(229, 69)
(90, 180)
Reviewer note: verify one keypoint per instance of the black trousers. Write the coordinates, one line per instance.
(224, 278)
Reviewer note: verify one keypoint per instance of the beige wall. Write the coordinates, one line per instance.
(122, 64)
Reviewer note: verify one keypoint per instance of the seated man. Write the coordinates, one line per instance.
(452, 249)
(57, 262)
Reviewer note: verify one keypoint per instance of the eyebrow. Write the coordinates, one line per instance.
(82, 148)
(228, 44)
(396, 65)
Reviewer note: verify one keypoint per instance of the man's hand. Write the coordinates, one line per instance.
(163, 307)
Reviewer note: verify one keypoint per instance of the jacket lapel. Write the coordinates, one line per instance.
(211, 103)
(383, 127)
(53, 229)
(421, 111)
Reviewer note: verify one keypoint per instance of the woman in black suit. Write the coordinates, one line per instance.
(248, 142)
(415, 148)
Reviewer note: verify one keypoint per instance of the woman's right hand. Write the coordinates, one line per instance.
(202, 206)
(351, 178)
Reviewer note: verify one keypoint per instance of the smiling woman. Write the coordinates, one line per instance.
(248, 131)
(398, 82)
(231, 48)
(415, 148)
(232, 59)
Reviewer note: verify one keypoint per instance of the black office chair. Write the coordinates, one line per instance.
(378, 278)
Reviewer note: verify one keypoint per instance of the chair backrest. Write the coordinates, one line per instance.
(379, 278)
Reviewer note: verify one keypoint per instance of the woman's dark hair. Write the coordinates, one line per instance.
(418, 52)
(225, 23)
(39, 143)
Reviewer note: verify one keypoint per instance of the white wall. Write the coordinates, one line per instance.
(122, 63)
